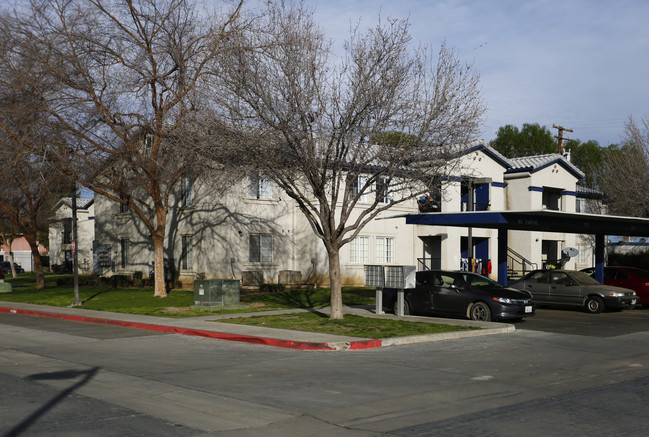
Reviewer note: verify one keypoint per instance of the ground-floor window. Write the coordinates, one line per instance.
(384, 250)
(359, 250)
(124, 245)
(260, 248)
(186, 254)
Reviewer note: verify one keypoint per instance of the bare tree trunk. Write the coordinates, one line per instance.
(335, 284)
(38, 264)
(159, 270)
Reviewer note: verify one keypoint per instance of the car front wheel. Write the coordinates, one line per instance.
(594, 304)
(480, 312)
(406, 308)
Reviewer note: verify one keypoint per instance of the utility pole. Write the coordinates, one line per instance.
(560, 136)
(75, 256)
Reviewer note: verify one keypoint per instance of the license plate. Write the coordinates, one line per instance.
(528, 309)
(632, 301)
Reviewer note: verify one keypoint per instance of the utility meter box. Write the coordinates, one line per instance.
(217, 292)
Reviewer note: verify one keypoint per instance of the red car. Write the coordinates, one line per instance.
(627, 277)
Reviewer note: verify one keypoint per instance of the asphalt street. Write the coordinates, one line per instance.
(560, 373)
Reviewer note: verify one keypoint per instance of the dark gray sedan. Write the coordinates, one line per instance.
(570, 288)
(461, 294)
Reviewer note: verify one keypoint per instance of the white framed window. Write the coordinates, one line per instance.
(356, 188)
(259, 186)
(186, 255)
(260, 248)
(580, 205)
(582, 256)
(385, 250)
(359, 250)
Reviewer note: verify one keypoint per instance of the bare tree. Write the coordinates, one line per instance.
(28, 175)
(129, 82)
(625, 173)
(309, 120)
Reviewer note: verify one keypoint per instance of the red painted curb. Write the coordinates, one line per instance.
(287, 344)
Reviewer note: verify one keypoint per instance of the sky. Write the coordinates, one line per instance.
(580, 64)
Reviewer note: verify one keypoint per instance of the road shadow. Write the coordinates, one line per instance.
(86, 376)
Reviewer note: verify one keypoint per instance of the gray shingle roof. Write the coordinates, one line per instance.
(537, 162)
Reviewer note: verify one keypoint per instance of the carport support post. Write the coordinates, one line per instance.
(502, 256)
(599, 257)
(400, 294)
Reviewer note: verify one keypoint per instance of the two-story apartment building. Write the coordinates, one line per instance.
(255, 233)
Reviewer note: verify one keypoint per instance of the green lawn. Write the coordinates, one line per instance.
(179, 303)
(352, 325)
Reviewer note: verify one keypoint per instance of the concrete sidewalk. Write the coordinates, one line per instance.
(210, 327)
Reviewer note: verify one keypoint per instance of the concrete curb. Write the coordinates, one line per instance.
(351, 344)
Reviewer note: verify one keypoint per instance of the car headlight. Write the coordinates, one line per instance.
(502, 299)
(615, 294)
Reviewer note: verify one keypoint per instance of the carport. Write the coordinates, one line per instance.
(546, 220)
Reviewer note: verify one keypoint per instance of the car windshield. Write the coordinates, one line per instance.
(583, 278)
(479, 281)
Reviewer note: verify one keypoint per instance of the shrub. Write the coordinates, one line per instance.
(637, 259)
(271, 288)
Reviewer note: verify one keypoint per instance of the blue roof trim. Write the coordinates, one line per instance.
(499, 184)
(532, 188)
(569, 193)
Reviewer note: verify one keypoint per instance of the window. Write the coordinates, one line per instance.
(582, 257)
(384, 250)
(581, 205)
(123, 207)
(123, 245)
(359, 250)
(260, 248)
(67, 231)
(357, 185)
(259, 186)
(186, 254)
(382, 190)
(551, 199)
(186, 191)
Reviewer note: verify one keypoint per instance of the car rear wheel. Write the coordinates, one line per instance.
(480, 311)
(594, 304)
(406, 308)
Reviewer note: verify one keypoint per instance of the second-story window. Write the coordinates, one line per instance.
(259, 186)
(382, 190)
(123, 207)
(580, 206)
(357, 186)
(67, 231)
(186, 191)
(551, 199)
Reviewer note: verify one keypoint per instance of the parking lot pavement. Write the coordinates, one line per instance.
(606, 324)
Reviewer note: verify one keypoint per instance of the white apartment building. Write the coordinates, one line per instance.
(255, 233)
